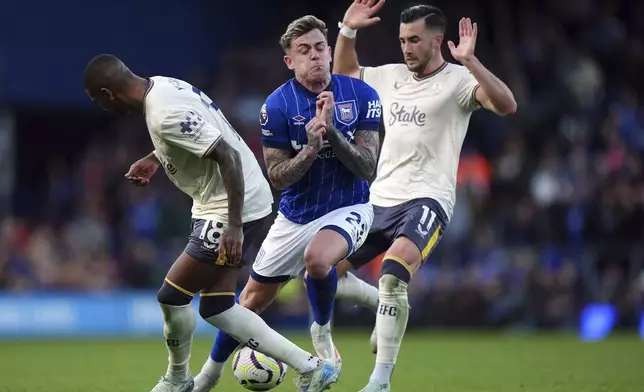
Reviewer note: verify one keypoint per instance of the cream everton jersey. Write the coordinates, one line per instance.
(425, 121)
(185, 126)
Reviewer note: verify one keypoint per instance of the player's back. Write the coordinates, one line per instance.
(186, 126)
(329, 184)
(425, 121)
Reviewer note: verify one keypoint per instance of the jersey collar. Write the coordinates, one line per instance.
(310, 93)
(433, 73)
(148, 87)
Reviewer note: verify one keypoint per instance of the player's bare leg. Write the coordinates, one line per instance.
(401, 261)
(327, 247)
(185, 278)
(257, 297)
(218, 308)
(353, 289)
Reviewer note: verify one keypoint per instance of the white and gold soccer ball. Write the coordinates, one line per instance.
(256, 371)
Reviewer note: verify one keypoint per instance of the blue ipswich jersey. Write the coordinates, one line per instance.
(328, 185)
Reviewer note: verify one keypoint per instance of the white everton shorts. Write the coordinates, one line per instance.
(281, 256)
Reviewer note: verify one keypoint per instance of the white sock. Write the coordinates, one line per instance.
(382, 372)
(178, 329)
(246, 326)
(212, 368)
(391, 322)
(353, 289)
(210, 374)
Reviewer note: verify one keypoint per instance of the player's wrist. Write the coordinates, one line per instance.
(347, 31)
(311, 151)
(153, 156)
(469, 61)
(235, 224)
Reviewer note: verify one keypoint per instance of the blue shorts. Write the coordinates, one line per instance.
(423, 221)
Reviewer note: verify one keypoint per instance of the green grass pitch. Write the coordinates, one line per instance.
(429, 362)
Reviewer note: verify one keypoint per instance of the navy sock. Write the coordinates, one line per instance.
(321, 293)
(223, 347)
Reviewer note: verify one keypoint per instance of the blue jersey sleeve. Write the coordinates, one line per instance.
(370, 109)
(274, 124)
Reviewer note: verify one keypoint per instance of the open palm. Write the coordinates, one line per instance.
(466, 40)
(360, 13)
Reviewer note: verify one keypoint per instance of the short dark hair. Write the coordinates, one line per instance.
(106, 71)
(299, 27)
(434, 17)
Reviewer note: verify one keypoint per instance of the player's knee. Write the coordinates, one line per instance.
(317, 264)
(395, 268)
(170, 295)
(405, 250)
(214, 305)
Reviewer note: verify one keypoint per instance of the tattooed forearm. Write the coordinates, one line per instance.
(232, 175)
(360, 157)
(283, 170)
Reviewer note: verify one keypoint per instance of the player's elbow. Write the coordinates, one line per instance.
(508, 108)
(352, 71)
(276, 182)
(367, 169)
(366, 174)
(343, 67)
(278, 186)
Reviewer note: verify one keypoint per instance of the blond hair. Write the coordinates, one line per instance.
(299, 27)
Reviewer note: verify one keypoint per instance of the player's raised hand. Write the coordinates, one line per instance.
(315, 129)
(318, 108)
(361, 13)
(326, 100)
(467, 33)
(230, 245)
(142, 171)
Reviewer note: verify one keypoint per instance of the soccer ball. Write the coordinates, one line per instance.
(256, 371)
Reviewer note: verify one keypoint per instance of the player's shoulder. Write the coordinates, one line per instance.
(358, 85)
(344, 80)
(166, 94)
(393, 69)
(163, 87)
(280, 96)
(273, 111)
(456, 69)
(167, 102)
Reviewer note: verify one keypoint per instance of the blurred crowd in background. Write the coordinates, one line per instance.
(550, 202)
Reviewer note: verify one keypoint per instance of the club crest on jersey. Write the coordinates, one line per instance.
(435, 88)
(346, 112)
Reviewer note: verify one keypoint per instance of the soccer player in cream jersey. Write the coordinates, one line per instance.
(427, 103)
(206, 159)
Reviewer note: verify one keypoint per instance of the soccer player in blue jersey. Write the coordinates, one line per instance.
(320, 138)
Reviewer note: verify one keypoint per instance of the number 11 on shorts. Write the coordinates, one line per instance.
(422, 229)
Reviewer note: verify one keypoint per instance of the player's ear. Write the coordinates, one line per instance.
(108, 94)
(289, 62)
